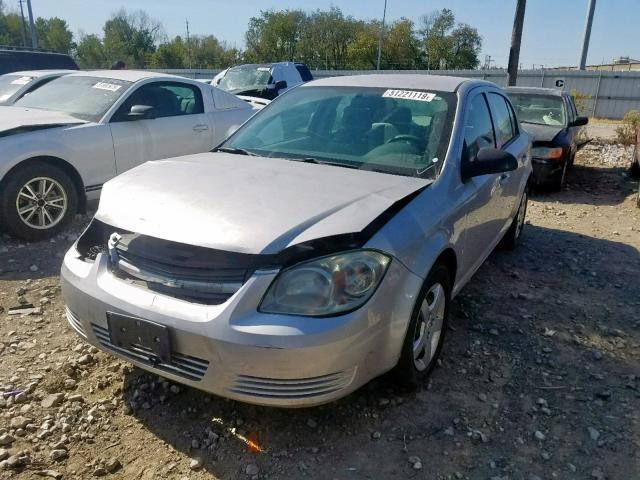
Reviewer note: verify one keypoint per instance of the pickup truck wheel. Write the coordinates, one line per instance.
(512, 237)
(426, 331)
(37, 201)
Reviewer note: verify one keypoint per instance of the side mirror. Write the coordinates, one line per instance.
(580, 121)
(141, 112)
(281, 84)
(488, 161)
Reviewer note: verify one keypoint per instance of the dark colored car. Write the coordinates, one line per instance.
(19, 59)
(551, 118)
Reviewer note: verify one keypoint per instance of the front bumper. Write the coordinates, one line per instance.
(545, 170)
(234, 351)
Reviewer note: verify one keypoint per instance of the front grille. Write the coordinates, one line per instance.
(211, 286)
(191, 368)
(292, 388)
(74, 321)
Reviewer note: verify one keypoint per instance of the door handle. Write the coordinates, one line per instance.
(200, 128)
(504, 177)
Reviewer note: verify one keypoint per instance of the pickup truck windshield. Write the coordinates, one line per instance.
(539, 109)
(87, 98)
(402, 132)
(245, 77)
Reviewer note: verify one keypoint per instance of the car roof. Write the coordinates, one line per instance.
(442, 83)
(536, 91)
(127, 75)
(41, 73)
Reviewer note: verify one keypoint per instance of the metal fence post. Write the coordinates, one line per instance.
(595, 100)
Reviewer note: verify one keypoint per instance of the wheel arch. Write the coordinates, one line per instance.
(63, 165)
(449, 259)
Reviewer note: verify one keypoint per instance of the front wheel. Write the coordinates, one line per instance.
(37, 201)
(426, 331)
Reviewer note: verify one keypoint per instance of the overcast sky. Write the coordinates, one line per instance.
(552, 31)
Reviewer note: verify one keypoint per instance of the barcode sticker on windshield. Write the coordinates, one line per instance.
(21, 81)
(410, 95)
(107, 86)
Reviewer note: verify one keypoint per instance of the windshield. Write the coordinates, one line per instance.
(539, 109)
(87, 98)
(245, 78)
(403, 132)
(10, 84)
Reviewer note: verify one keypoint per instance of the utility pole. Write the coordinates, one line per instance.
(587, 34)
(384, 16)
(32, 26)
(487, 62)
(23, 28)
(188, 45)
(516, 37)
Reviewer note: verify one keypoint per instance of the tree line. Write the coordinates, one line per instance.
(323, 39)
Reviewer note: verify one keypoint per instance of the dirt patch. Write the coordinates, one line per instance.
(539, 375)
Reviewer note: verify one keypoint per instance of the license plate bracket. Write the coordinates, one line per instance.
(131, 332)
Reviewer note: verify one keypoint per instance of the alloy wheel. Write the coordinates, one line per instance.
(42, 203)
(429, 327)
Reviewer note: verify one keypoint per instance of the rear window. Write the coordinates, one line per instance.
(304, 72)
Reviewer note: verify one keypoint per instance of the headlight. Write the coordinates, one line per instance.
(326, 286)
(546, 152)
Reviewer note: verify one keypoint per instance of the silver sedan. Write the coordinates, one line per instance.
(317, 248)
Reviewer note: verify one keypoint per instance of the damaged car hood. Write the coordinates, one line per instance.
(15, 120)
(542, 133)
(248, 204)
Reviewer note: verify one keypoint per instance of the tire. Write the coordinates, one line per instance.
(414, 365)
(43, 216)
(512, 237)
(557, 182)
(634, 170)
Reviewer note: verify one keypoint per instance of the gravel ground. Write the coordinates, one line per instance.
(538, 380)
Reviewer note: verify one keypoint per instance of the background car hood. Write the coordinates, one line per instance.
(16, 118)
(247, 204)
(542, 133)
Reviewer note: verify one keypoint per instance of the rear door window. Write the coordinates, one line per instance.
(501, 119)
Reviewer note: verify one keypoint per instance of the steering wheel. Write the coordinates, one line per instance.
(417, 141)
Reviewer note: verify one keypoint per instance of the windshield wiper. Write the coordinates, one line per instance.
(237, 151)
(325, 162)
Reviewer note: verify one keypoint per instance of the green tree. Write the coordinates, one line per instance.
(274, 36)
(90, 52)
(10, 27)
(54, 34)
(447, 45)
(171, 54)
(325, 38)
(131, 37)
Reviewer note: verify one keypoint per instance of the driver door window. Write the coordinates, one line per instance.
(167, 99)
(478, 128)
